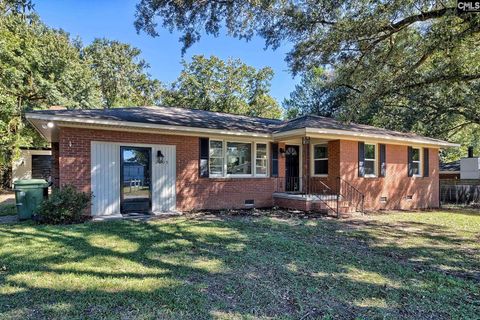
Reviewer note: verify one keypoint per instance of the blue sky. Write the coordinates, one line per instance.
(90, 19)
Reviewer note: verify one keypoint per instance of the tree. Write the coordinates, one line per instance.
(121, 74)
(225, 86)
(39, 67)
(413, 62)
(314, 96)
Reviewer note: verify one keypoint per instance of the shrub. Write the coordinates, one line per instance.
(64, 206)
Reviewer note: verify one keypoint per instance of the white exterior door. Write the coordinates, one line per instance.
(105, 178)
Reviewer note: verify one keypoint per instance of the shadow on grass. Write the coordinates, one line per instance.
(223, 266)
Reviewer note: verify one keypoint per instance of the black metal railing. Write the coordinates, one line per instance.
(329, 195)
(350, 194)
(306, 187)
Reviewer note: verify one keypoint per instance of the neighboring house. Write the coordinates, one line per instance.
(470, 168)
(32, 164)
(197, 159)
(450, 170)
(465, 169)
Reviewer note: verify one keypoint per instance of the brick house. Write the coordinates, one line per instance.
(156, 159)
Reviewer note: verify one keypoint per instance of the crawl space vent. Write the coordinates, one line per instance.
(249, 203)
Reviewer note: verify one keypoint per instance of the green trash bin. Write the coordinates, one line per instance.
(28, 196)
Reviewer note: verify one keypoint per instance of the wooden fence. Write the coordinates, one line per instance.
(462, 192)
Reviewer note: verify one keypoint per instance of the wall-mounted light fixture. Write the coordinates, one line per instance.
(49, 125)
(160, 156)
(282, 152)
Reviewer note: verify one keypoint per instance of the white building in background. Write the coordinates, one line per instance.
(32, 164)
(470, 168)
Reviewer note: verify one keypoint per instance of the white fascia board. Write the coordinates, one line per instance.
(354, 135)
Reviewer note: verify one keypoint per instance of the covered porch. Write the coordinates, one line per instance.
(309, 177)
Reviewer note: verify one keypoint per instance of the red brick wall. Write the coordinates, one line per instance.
(333, 169)
(222, 193)
(193, 192)
(396, 185)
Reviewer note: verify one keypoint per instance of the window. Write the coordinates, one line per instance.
(370, 160)
(216, 158)
(415, 163)
(320, 159)
(242, 159)
(239, 158)
(261, 159)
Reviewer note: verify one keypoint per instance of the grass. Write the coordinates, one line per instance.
(402, 265)
(7, 210)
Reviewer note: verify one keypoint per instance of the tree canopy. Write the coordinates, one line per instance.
(402, 64)
(121, 74)
(38, 67)
(225, 86)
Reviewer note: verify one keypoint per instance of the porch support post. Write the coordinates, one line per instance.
(306, 166)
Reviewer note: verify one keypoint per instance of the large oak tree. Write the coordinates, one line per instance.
(403, 64)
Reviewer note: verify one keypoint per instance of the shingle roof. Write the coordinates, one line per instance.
(450, 166)
(173, 117)
(314, 121)
(230, 122)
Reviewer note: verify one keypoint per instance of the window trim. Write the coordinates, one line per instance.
(253, 145)
(216, 175)
(375, 160)
(254, 163)
(312, 159)
(419, 161)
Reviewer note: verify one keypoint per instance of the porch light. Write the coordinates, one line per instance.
(160, 156)
(282, 152)
(49, 125)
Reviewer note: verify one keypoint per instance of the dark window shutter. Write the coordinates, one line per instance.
(426, 164)
(382, 163)
(204, 153)
(274, 156)
(361, 159)
(410, 162)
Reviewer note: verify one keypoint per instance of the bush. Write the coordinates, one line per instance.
(64, 206)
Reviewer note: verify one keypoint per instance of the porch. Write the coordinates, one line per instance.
(309, 177)
(314, 195)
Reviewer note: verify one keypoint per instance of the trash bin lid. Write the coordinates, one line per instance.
(29, 182)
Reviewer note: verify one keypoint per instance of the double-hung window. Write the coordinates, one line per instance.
(416, 162)
(237, 159)
(216, 158)
(370, 160)
(320, 159)
(261, 159)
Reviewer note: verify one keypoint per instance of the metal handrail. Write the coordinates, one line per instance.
(351, 194)
(307, 186)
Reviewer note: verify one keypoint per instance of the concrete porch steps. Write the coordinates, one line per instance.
(326, 203)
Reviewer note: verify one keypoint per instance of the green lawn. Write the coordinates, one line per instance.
(402, 265)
